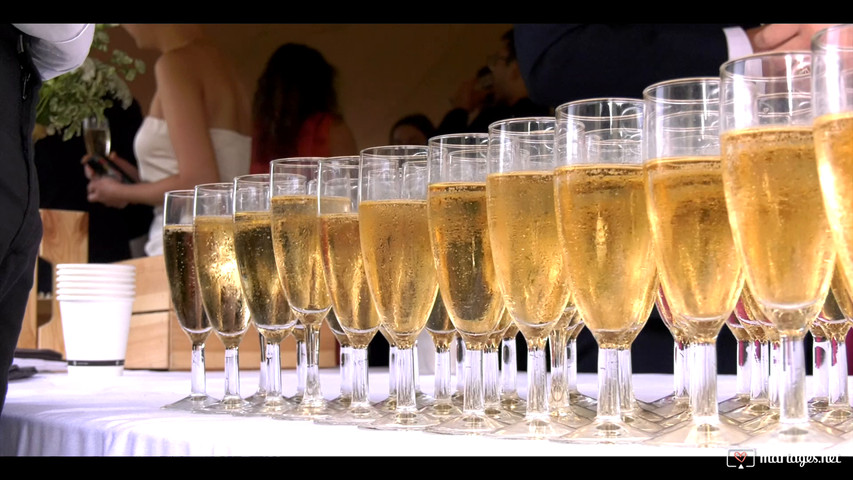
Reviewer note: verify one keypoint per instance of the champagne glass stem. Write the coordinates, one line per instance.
(537, 383)
(263, 386)
(608, 385)
(460, 364)
(232, 375)
(820, 370)
(775, 372)
(509, 366)
(572, 366)
(838, 373)
(491, 387)
(360, 384)
(743, 367)
(474, 401)
(197, 373)
(443, 376)
(405, 380)
(345, 357)
(703, 383)
(793, 381)
(559, 388)
(300, 367)
(626, 382)
(760, 370)
(272, 365)
(313, 395)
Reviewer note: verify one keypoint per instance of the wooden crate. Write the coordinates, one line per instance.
(157, 342)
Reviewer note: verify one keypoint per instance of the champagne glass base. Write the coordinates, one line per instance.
(226, 406)
(504, 417)
(257, 397)
(387, 405)
(678, 419)
(605, 430)
(532, 428)
(845, 427)
(733, 403)
(761, 423)
(570, 417)
(671, 406)
(442, 410)
(701, 433)
(467, 424)
(409, 420)
(637, 420)
(514, 403)
(191, 403)
(355, 415)
(797, 439)
(271, 407)
(585, 401)
(340, 403)
(833, 416)
(749, 412)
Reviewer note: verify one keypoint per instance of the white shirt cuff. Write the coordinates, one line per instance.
(738, 42)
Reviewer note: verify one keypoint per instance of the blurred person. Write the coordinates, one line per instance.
(198, 128)
(29, 55)
(415, 129)
(295, 109)
(498, 96)
(63, 185)
(565, 62)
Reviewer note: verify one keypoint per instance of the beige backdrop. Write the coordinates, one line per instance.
(385, 71)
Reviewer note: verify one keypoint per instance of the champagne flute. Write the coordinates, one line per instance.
(700, 272)
(295, 208)
(96, 136)
(526, 252)
(494, 407)
(820, 368)
(345, 276)
(219, 283)
(462, 253)
(560, 400)
(606, 240)
(178, 248)
(579, 400)
(344, 398)
(677, 403)
(262, 289)
(390, 403)
(440, 328)
(395, 246)
(743, 361)
(835, 320)
(777, 215)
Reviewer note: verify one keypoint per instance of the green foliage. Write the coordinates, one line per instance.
(64, 101)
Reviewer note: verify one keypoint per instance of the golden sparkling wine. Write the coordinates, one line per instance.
(296, 239)
(494, 339)
(439, 326)
(526, 250)
(183, 282)
(345, 276)
(834, 318)
(336, 329)
(512, 331)
(755, 322)
(779, 223)
(694, 248)
(262, 288)
(608, 248)
(219, 278)
(463, 258)
(738, 330)
(833, 138)
(399, 265)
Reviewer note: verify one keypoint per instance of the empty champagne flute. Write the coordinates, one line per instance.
(395, 246)
(178, 248)
(606, 242)
(219, 283)
(785, 245)
(262, 289)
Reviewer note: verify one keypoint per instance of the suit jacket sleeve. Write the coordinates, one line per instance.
(565, 62)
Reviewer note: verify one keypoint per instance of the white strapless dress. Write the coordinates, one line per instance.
(156, 158)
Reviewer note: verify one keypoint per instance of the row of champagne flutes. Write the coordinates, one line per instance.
(702, 183)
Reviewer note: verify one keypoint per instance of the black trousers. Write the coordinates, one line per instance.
(20, 225)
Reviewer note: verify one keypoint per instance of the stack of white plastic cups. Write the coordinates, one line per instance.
(95, 305)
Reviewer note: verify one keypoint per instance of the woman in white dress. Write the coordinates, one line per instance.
(198, 128)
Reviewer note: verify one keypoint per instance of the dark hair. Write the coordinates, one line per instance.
(296, 83)
(417, 120)
(509, 38)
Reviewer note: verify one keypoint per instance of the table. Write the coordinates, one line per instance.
(57, 415)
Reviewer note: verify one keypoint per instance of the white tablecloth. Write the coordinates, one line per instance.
(58, 415)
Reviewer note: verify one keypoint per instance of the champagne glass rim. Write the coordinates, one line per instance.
(183, 192)
(818, 41)
(562, 111)
(648, 92)
(214, 186)
(252, 178)
(726, 67)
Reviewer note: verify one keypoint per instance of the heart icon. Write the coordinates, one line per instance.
(740, 456)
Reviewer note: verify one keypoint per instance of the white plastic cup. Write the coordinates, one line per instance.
(96, 331)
